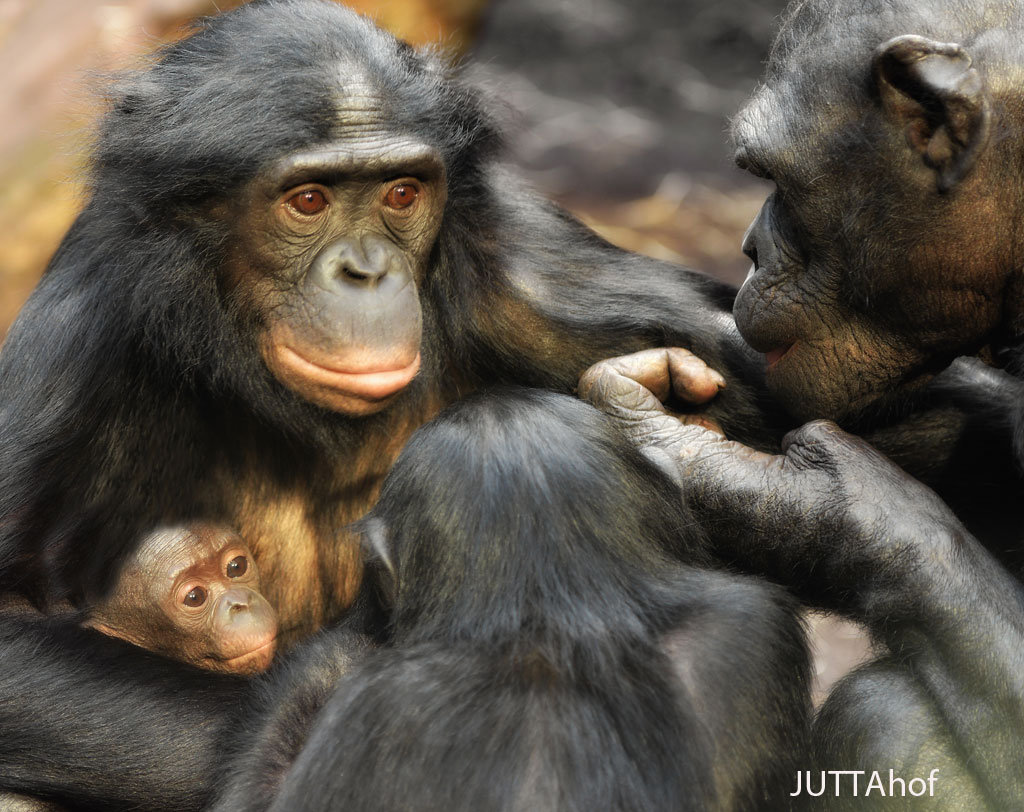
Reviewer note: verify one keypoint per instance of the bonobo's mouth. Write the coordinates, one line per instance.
(375, 383)
(772, 357)
(252, 662)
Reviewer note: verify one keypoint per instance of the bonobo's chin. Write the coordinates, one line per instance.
(871, 407)
(333, 384)
(254, 661)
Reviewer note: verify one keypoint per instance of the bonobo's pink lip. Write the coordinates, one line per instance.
(371, 384)
(772, 357)
(257, 659)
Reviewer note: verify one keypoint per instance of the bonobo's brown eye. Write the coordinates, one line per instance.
(308, 201)
(401, 196)
(237, 566)
(195, 597)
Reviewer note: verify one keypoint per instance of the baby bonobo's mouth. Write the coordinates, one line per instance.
(254, 661)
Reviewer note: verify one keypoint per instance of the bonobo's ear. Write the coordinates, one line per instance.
(374, 534)
(931, 91)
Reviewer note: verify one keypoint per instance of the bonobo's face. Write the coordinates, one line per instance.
(884, 250)
(332, 246)
(193, 593)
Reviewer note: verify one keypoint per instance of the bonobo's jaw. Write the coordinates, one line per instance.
(333, 244)
(886, 249)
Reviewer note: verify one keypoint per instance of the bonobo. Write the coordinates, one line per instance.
(302, 239)
(889, 247)
(555, 642)
(192, 593)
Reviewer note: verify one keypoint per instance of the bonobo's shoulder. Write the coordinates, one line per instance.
(726, 605)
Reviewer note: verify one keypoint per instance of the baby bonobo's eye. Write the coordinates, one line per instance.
(195, 597)
(237, 566)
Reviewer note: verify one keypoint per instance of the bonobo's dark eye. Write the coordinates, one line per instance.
(308, 201)
(401, 196)
(195, 597)
(237, 566)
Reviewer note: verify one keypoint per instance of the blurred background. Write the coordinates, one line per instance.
(619, 110)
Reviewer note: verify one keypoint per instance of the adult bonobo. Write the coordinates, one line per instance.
(300, 242)
(891, 245)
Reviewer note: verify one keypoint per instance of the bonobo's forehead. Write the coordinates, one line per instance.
(168, 551)
(369, 117)
(270, 79)
(359, 100)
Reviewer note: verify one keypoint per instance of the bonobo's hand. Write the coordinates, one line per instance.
(824, 515)
(634, 387)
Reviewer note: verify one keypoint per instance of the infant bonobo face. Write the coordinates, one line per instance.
(192, 593)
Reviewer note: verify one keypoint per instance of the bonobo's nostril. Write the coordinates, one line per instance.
(360, 269)
(238, 606)
(749, 244)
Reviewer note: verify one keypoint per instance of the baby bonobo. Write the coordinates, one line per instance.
(192, 592)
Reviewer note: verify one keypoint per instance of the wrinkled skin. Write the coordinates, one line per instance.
(851, 532)
(334, 263)
(890, 247)
(826, 485)
(891, 243)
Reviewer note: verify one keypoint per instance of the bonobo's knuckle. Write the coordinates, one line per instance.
(817, 431)
(593, 378)
(814, 445)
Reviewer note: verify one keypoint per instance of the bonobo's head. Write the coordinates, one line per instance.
(192, 593)
(892, 242)
(309, 155)
(518, 505)
(334, 242)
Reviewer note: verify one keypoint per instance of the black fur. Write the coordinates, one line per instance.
(550, 649)
(128, 377)
(82, 712)
(132, 392)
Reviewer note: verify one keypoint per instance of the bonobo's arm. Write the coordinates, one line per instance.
(96, 723)
(851, 532)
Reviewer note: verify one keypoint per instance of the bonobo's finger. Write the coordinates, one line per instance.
(702, 459)
(693, 381)
(662, 371)
(612, 385)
